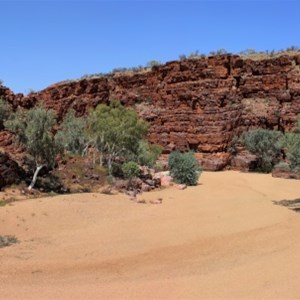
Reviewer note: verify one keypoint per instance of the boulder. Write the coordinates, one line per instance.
(244, 161)
(165, 180)
(146, 188)
(10, 172)
(286, 174)
(181, 186)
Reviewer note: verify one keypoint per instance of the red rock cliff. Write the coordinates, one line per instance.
(195, 104)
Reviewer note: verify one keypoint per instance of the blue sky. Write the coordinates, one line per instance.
(43, 42)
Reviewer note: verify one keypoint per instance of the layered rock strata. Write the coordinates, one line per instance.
(195, 104)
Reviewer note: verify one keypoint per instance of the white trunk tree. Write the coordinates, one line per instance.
(36, 173)
(33, 129)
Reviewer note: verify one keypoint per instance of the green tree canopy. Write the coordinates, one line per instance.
(148, 153)
(33, 129)
(116, 131)
(72, 134)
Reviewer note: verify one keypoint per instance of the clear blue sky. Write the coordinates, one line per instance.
(43, 42)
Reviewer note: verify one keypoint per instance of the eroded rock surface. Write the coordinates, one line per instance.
(9, 170)
(196, 104)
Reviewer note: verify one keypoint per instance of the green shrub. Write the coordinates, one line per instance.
(5, 111)
(7, 240)
(293, 150)
(283, 166)
(34, 131)
(174, 159)
(110, 179)
(148, 153)
(265, 144)
(290, 143)
(153, 63)
(184, 168)
(221, 51)
(116, 169)
(72, 135)
(297, 125)
(158, 167)
(130, 170)
(296, 169)
(232, 145)
(116, 131)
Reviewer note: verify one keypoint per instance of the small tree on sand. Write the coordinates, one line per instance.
(33, 129)
(184, 168)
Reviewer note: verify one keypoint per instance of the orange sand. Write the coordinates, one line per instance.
(223, 239)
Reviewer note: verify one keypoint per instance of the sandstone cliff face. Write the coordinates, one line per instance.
(195, 104)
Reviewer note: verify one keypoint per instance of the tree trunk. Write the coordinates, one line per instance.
(101, 159)
(109, 165)
(36, 173)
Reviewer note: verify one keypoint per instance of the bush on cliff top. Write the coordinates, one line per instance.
(5, 111)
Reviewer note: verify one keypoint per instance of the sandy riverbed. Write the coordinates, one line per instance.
(223, 239)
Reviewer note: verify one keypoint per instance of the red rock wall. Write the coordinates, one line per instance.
(196, 104)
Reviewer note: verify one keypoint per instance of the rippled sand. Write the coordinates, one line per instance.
(223, 239)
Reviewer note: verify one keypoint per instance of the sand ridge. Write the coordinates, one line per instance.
(223, 239)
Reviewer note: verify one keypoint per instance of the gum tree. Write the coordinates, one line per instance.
(72, 134)
(33, 130)
(116, 131)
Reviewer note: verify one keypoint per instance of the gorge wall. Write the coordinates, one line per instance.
(194, 104)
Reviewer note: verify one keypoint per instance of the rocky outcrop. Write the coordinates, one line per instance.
(286, 174)
(195, 104)
(8, 95)
(244, 161)
(10, 170)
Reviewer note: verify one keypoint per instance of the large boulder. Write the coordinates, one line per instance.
(286, 174)
(244, 161)
(10, 172)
